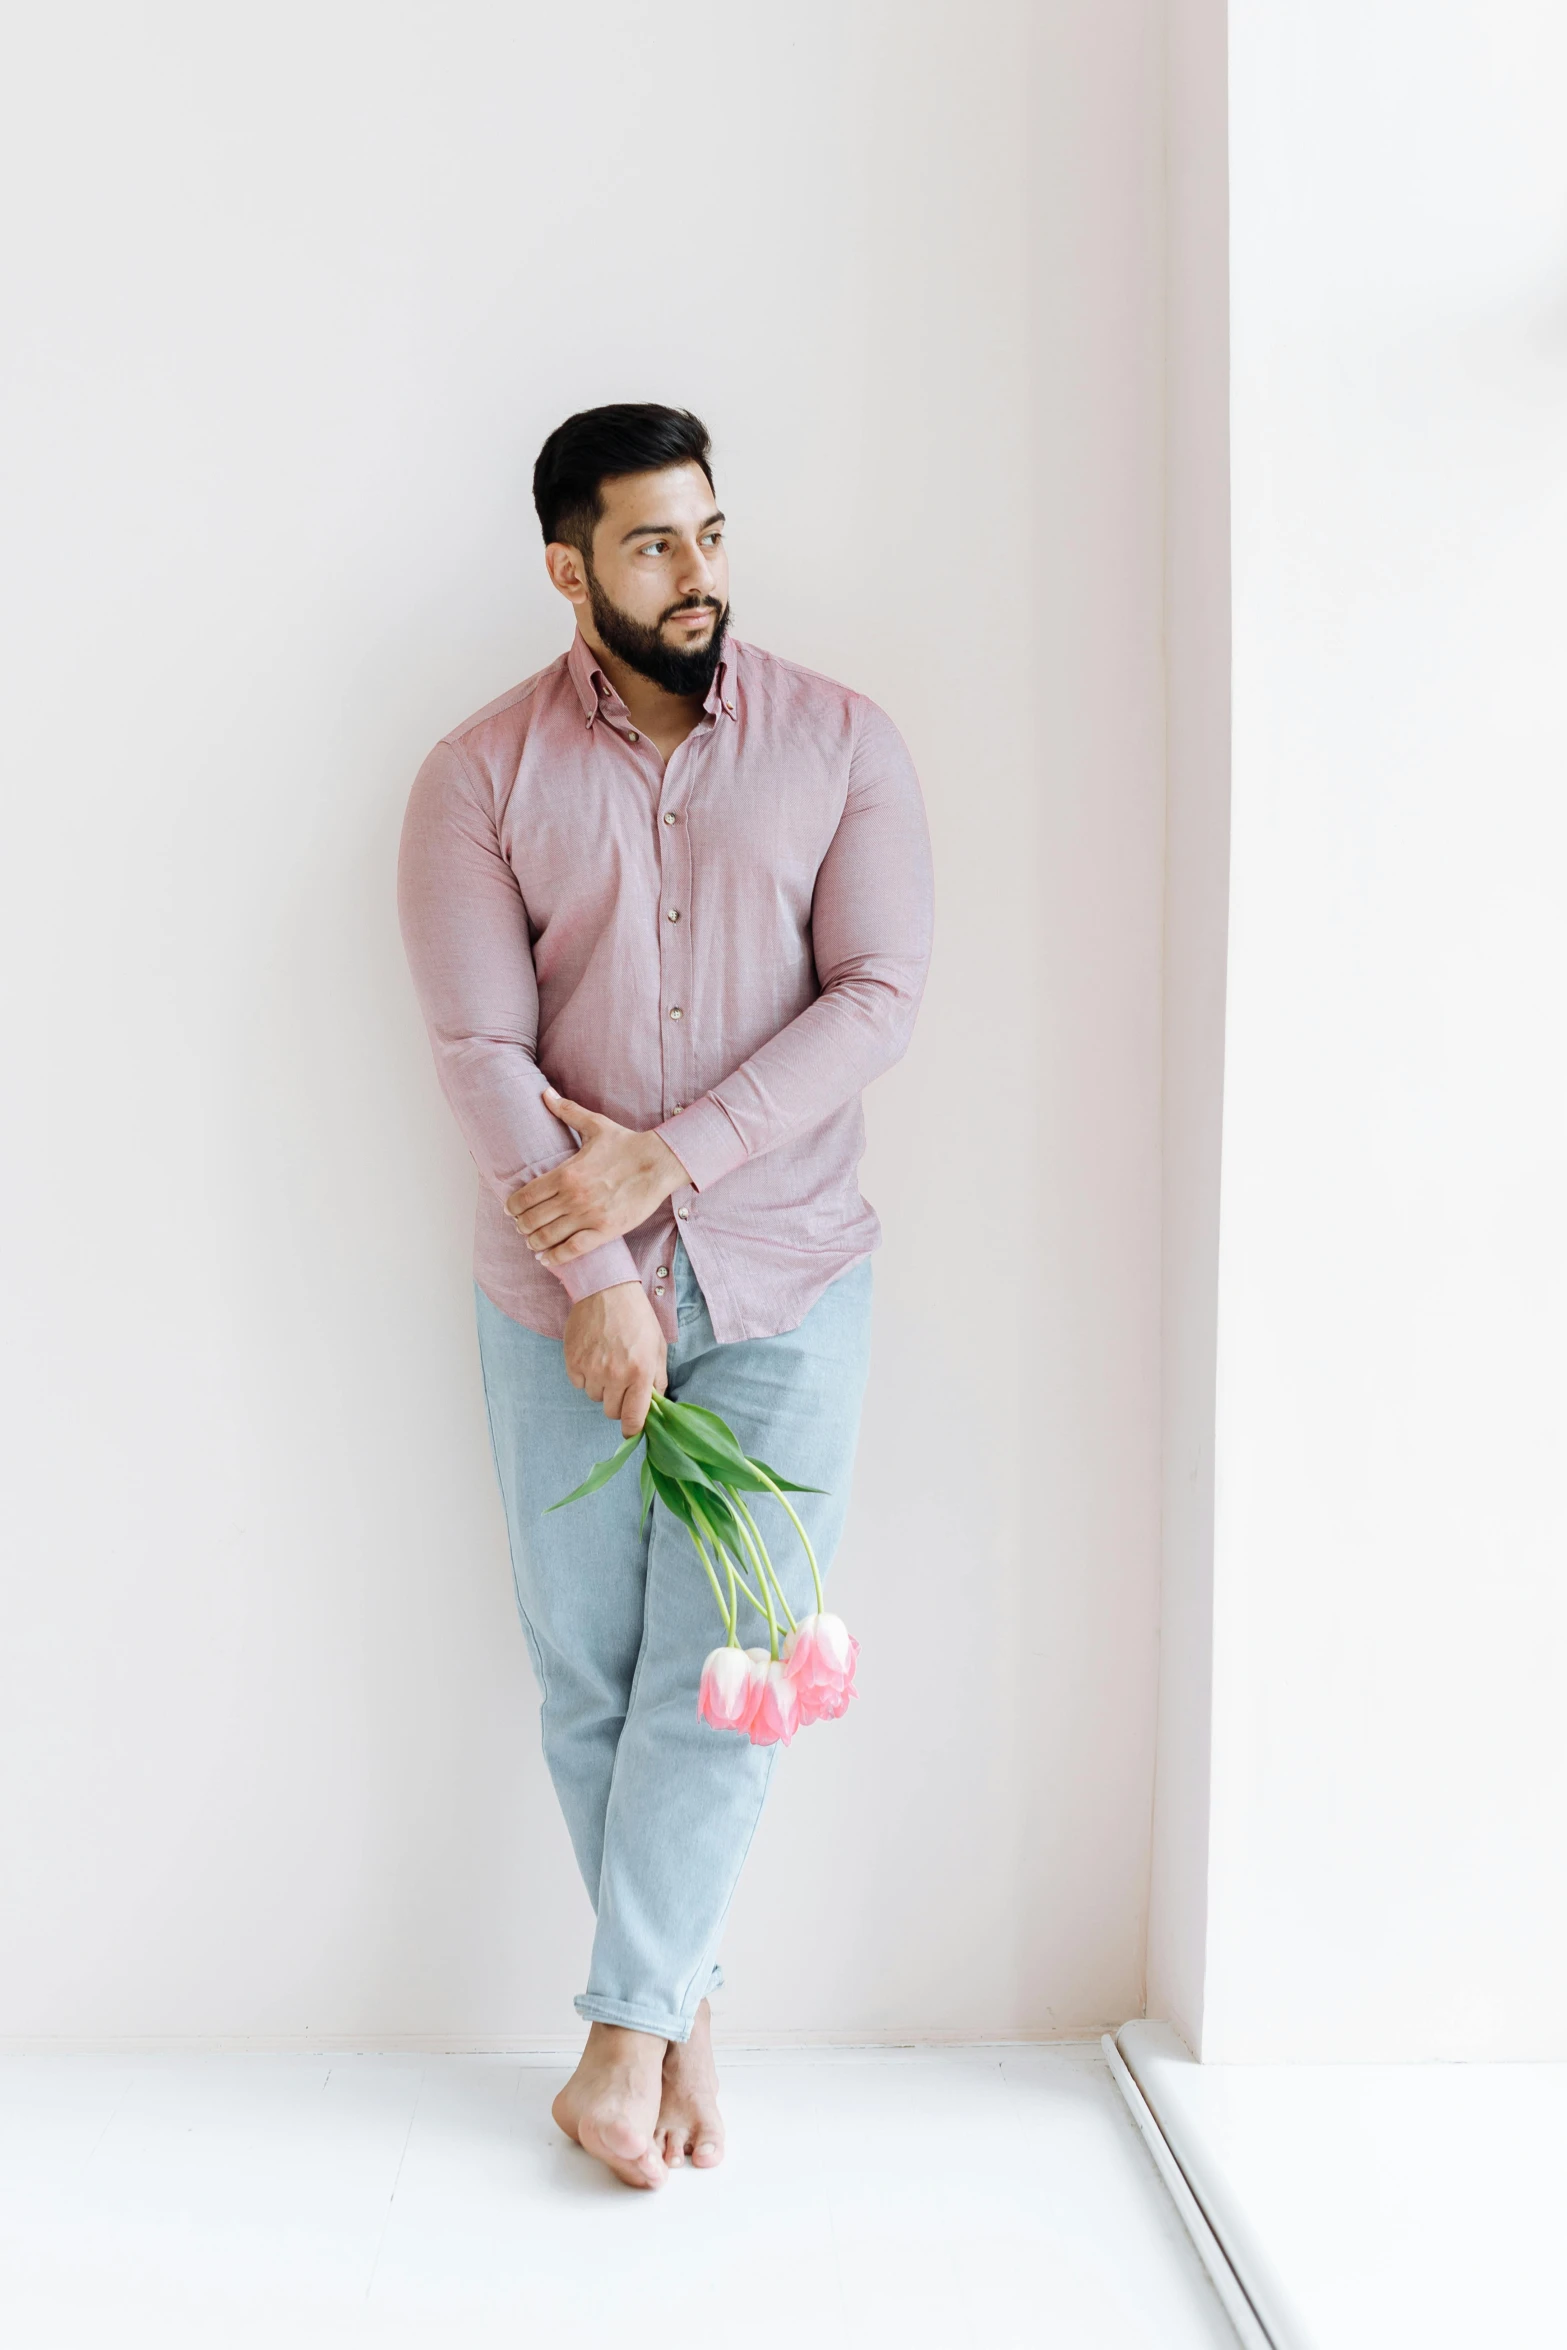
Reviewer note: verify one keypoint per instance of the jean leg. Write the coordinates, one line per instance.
(685, 1800)
(579, 1576)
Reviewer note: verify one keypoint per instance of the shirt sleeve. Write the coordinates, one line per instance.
(465, 931)
(872, 916)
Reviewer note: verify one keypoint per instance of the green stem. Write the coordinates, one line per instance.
(758, 1544)
(758, 1548)
(761, 1574)
(733, 1572)
(736, 1574)
(800, 1530)
(729, 1622)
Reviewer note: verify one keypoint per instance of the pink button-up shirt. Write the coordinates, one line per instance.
(726, 948)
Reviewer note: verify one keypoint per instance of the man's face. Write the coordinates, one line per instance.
(656, 592)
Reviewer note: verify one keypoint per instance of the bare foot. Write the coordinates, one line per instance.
(688, 2120)
(610, 2104)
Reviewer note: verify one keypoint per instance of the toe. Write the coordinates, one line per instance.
(638, 2162)
(644, 2170)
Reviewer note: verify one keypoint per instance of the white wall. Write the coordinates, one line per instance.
(298, 294)
(1390, 1778)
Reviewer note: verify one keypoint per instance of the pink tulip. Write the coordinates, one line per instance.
(760, 1662)
(777, 1717)
(819, 1657)
(730, 1690)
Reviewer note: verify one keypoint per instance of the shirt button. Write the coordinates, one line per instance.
(729, 709)
(675, 1012)
(673, 914)
(636, 738)
(662, 1271)
(669, 816)
(675, 1112)
(682, 1213)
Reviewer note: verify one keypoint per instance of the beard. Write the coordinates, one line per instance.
(643, 648)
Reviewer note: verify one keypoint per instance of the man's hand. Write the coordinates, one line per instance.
(615, 1352)
(616, 1179)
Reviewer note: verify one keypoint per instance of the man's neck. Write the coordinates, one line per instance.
(658, 714)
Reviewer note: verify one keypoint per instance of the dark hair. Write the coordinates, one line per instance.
(599, 445)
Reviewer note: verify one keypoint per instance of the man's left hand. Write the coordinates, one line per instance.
(617, 1178)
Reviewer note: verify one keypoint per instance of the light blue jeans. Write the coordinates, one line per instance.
(661, 1809)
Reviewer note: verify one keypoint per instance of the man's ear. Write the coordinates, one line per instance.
(567, 571)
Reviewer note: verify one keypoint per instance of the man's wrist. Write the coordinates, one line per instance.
(666, 1163)
(704, 1139)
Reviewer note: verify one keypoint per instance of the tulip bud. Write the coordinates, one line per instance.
(777, 1716)
(819, 1658)
(729, 1691)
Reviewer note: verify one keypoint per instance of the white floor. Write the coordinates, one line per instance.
(1366, 2207)
(906, 2197)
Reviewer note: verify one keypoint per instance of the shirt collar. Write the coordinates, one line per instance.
(595, 692)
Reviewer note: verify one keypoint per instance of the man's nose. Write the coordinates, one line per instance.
(695, 575)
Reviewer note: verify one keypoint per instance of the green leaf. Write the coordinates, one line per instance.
(787, 1483)
(648, 1493)
(672, 1458)
(722, 1516)
(731, 1467)
(677, 1410)
(601, 1474)
(677, 1495)
(724, 1455)
(704, 1437)
(672, 1494)
(701, 1435)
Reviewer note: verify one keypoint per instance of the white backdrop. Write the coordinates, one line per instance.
(299, 293)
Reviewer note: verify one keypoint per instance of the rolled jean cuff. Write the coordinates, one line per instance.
(635, 2019)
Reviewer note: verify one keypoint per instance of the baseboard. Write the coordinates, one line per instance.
(539, 2047)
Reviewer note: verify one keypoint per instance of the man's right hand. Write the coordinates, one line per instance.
(616, 1352)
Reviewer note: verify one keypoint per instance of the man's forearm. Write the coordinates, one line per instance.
(613, 1183)
(825, 1056)
(466, 936)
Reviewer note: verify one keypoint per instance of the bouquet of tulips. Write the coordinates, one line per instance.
(694, 1465)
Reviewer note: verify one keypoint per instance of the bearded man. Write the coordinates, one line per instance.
(668, 909)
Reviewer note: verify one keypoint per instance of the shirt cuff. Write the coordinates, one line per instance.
(704, 1141)
(601, 1268)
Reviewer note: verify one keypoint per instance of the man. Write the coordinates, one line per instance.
(668, 908)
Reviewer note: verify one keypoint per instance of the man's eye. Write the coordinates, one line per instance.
(655, 546)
